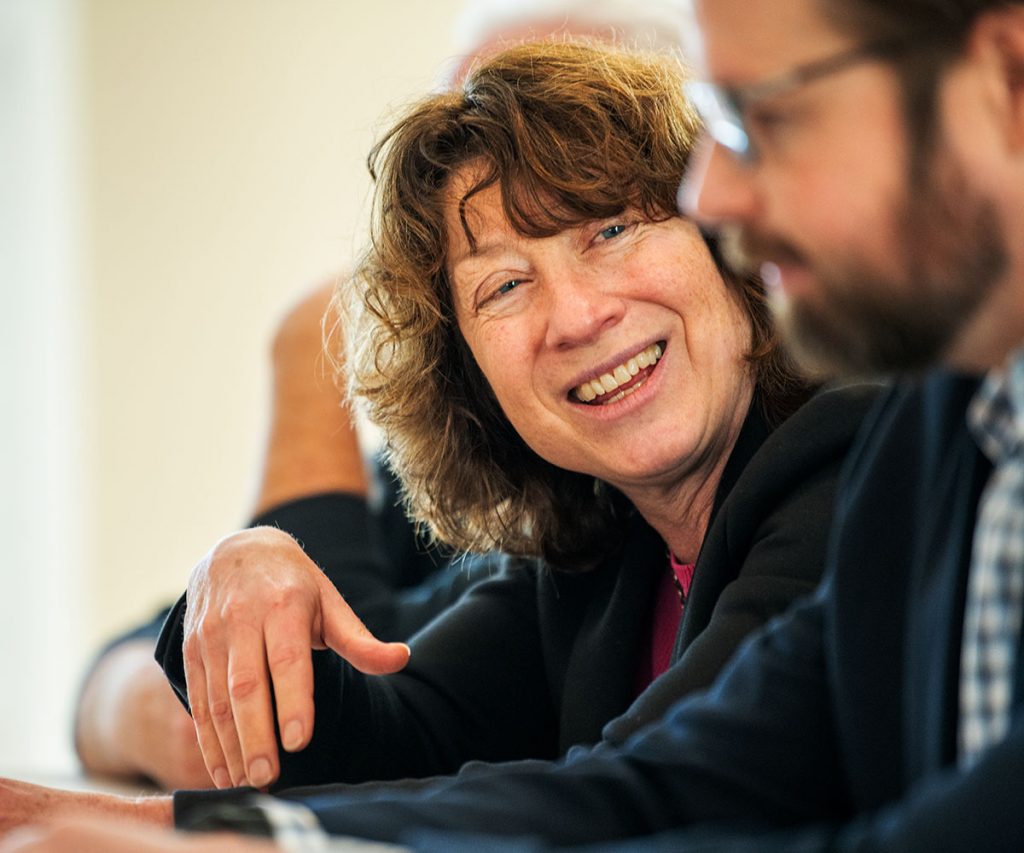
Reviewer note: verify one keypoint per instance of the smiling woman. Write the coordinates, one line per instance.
(562, 373)
(472, 188)
(594, 302)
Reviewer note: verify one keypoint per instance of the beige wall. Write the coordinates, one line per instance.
(224, 149)
(175, 173)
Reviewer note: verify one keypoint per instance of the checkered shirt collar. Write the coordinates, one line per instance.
(996, 414)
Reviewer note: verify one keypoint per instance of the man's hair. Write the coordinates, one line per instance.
(936, 32)
(570, 132)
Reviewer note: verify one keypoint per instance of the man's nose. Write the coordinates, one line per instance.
(716, 188)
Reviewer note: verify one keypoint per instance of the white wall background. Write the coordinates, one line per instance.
(43, 351)
(173, 173)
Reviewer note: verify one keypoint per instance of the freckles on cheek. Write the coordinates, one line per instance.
(506, 367)
(487, 354)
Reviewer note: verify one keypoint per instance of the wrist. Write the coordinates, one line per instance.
(155, 811)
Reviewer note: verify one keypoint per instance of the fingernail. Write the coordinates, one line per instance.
(292, 735)
(259, 773)
(221, 778)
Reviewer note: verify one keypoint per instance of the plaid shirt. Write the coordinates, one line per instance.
(292, 827)
(995, 588)
(295, 829)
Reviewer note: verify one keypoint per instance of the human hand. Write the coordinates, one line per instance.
(256, 607)
(24, 804)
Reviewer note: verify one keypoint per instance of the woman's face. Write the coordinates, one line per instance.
(614, 347)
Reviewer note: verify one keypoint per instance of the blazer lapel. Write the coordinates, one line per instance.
(955, 474)
(604, 657)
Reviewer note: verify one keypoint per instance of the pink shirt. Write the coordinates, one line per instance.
(668, 611)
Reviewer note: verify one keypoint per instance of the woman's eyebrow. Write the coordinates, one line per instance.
(480, 256)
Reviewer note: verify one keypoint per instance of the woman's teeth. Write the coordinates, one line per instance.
(606, 383)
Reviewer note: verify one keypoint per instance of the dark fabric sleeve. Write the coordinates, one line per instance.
(474, 688)
(783, 517)
(397, 614)
(950, 812)
(757, 747)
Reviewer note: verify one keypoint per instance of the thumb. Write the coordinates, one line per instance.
(345, 633)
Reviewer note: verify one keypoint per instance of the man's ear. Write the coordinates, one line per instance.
(998, 42)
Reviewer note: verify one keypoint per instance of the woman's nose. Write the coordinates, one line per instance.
(581, 305)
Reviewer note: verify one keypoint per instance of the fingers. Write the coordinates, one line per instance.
(287, 637)
(209, 743)
(250, 725)
(221, 720)
(233, 712)
(234, 593)
(257, 606)
(345, 633)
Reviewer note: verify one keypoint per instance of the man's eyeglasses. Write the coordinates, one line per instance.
(723, 109)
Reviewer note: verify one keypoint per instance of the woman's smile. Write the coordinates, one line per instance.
(610, 386)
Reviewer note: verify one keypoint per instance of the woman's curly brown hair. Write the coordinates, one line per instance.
(570, 132)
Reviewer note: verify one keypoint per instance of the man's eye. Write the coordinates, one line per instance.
(611, 232)
(766, 123)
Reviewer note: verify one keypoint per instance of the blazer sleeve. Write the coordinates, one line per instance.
(475, 688)
(757, 748)
(952, 811)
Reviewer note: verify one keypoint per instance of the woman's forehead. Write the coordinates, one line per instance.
(476, 225)
(479, 203)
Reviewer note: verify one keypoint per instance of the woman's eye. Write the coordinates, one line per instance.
(508, 287)
(611, 232)
(499, 291)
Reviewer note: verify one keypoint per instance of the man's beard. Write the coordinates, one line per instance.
(862, 323)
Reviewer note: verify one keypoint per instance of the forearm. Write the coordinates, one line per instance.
(24, 804)
(312, 445)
